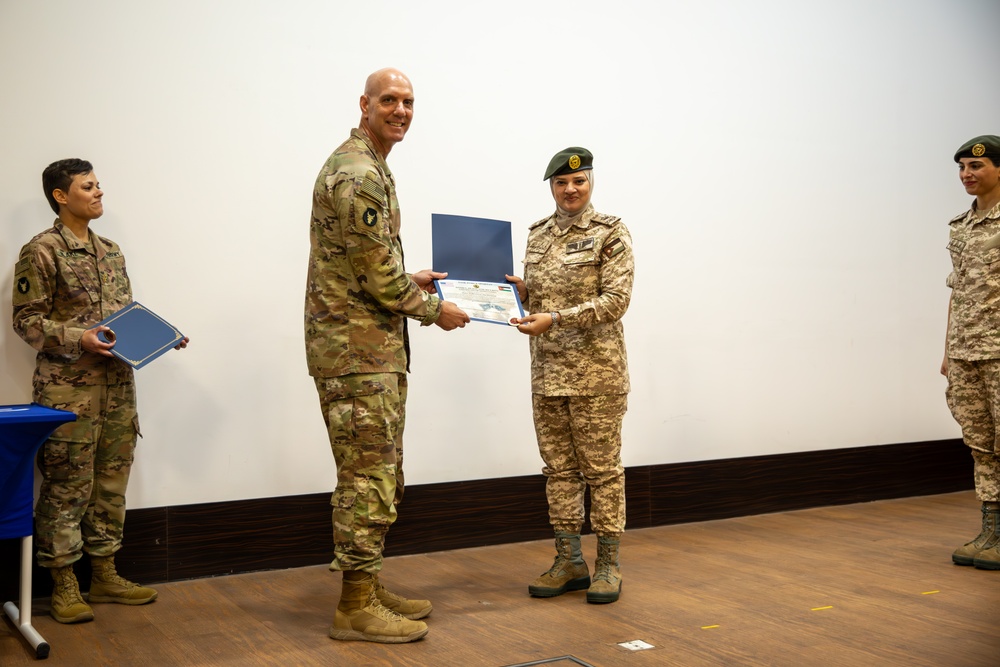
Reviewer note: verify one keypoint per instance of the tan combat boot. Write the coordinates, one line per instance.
(106, 585)
(360, 615)
(67, 603)
(987, 539)
(569, 572)
(411, 609)
(989, 557)
(607, 585)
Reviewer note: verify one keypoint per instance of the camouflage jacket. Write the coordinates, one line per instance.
(357, 291)
(974, 325)
(585, 273)
(61, 289)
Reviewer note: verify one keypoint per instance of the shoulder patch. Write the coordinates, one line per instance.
(26, 282)
(613, 247)
(372, 189)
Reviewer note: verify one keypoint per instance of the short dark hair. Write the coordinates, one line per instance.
(59, 175)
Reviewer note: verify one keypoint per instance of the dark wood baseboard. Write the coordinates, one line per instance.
(212, 539)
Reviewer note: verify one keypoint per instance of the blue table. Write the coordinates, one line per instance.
(23, 429)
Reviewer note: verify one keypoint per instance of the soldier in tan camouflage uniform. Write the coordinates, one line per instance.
(972, 348)
(358, 297)
(578, 272)
(67, 279)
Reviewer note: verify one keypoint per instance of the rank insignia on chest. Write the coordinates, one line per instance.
(613, 248)
(580, 246)
(370, 216)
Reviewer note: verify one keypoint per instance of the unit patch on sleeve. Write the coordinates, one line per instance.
(613, 248)
(26, 281)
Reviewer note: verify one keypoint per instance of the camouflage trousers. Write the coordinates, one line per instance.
(85, 467)
(579, 438)
(974, 398)
(365, 414)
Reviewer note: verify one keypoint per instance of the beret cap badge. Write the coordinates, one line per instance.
(569, 160)
(984, 146)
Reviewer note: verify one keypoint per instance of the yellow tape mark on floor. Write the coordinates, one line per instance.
(930, 592)
(821, 608)
(709, 627)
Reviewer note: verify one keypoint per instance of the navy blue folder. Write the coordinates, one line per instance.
(140, 335)
(471, 248)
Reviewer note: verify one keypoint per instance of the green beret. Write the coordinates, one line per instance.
(987, 145)
(569, 160)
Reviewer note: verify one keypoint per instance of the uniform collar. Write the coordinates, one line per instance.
(356, 132)
(581, 220)
(993, 213)
(73, 243)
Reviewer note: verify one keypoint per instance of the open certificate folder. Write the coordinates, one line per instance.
(476, 253)
(139, 335)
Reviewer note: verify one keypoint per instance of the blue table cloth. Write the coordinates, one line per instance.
(23, 429)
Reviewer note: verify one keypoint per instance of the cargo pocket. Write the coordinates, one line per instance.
(68, 454)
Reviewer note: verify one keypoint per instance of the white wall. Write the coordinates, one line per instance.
(784, 167)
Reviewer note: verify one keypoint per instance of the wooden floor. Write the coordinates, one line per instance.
(868, 584)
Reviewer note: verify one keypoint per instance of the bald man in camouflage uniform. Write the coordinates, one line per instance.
(972, 350)
(578, 272)
(358, 298)
(66, 280)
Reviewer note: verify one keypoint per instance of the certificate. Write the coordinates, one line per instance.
(476, 253)
(485, 302)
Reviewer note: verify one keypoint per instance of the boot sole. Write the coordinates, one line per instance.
(79, 618)
(986, 565)
(355, 635)
(604, 598)
(572, 585)
(117, 600)
(963, 560)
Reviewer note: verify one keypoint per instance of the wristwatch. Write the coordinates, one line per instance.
(556, 318)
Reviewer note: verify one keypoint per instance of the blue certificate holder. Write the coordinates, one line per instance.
(477, 255)
(23, 429)
(139, 335)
